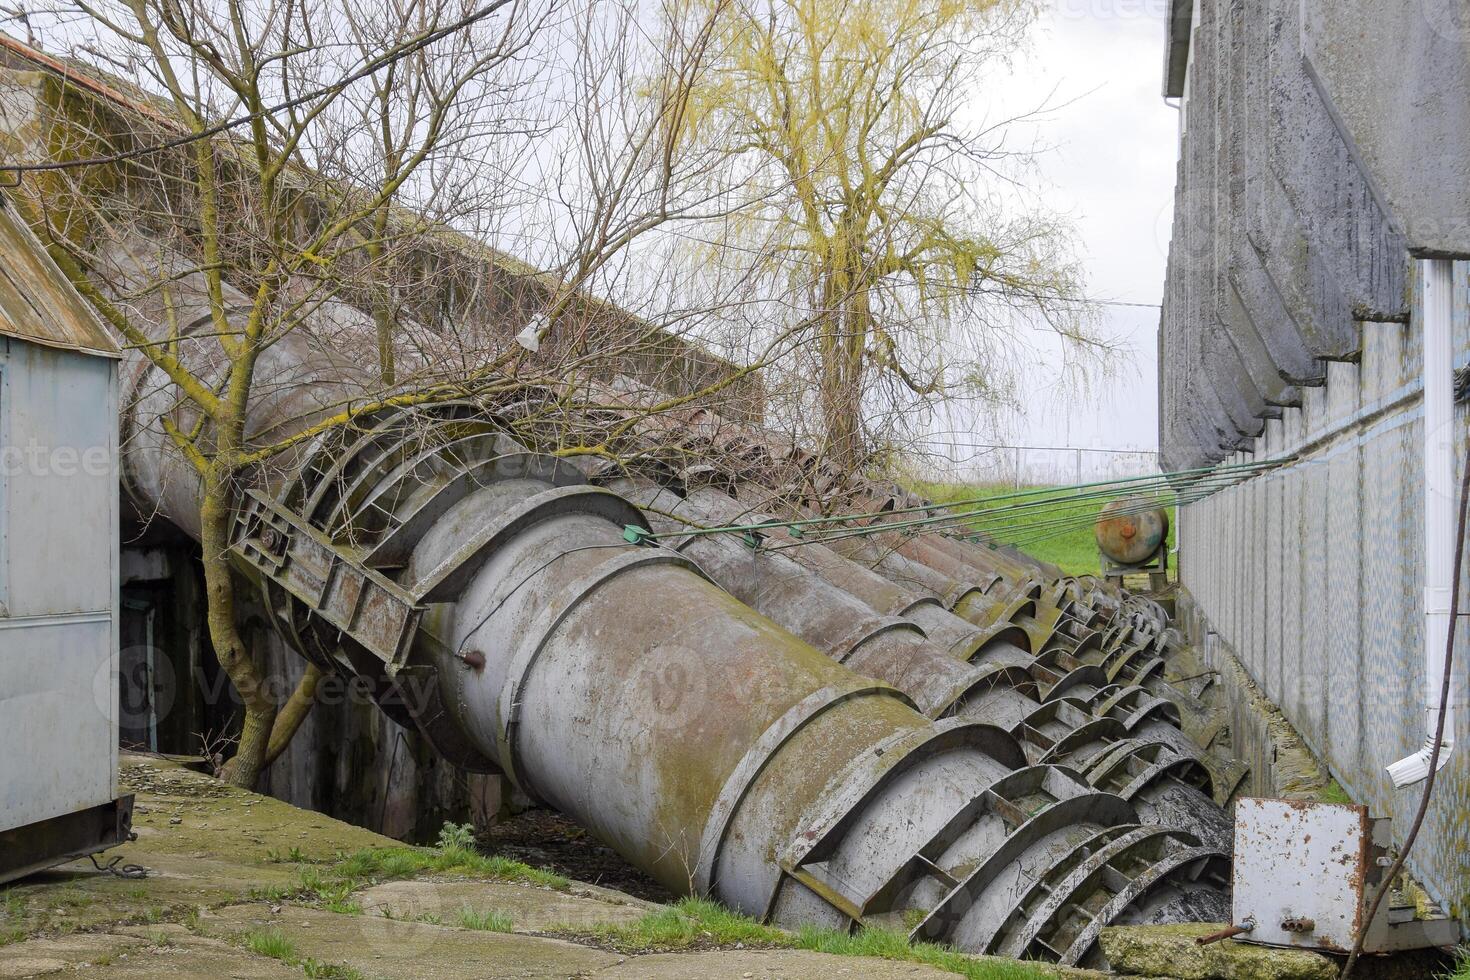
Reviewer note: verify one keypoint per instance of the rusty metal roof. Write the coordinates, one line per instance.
(37, 303)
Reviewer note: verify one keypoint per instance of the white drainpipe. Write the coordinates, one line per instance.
(1439, 511)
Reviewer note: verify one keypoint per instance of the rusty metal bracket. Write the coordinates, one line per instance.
(277, 544)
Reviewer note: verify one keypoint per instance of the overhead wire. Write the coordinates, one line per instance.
(973, 513)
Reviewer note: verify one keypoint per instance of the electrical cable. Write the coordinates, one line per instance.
(1214, 478)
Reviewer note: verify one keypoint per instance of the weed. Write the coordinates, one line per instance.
(270, 942)
(318, 970)
(72, 898)
(692, 922)
(890, 944)
(380, 864)
(485, 921)
(457, 836)
(343, 906)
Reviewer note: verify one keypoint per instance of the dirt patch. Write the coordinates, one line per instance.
(546, 839)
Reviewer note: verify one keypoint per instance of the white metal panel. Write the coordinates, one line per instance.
(57, 451)
(1301, 861)
(58, 582)
(58, 704)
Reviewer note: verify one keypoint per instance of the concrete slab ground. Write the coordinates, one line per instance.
(244, 886)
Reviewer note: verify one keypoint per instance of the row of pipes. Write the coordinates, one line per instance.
(895, 728)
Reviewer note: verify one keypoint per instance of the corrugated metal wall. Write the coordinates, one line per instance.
(1313, 575)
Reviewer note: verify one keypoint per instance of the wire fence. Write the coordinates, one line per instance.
(950, 461)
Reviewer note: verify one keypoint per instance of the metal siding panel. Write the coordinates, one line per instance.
(57, 710)
(61, 484)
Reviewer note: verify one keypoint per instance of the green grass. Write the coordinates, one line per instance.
(1333, 792)
(484, 920)
(1462, 967)
(700, 923)
(692, 923)
(890, 944)
(1059, 533)
(331, 885)
(270, 942)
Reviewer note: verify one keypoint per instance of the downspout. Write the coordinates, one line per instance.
(1439, 515)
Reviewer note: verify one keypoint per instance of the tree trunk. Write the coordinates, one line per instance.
(229, 646)
(293, 713)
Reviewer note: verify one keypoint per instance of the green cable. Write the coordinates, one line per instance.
(633, 534)
(949, 518)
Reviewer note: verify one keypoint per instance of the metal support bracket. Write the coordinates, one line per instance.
(271, 541)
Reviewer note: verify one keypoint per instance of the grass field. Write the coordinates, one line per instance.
(1042, 522)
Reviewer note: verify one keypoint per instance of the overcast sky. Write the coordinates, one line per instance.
(1112, 171)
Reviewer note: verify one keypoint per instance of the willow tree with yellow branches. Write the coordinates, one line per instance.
(881, 201)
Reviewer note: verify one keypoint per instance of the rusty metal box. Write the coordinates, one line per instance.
(1305, 874)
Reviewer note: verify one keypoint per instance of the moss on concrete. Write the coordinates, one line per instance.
(1170, 951)
(241, 885)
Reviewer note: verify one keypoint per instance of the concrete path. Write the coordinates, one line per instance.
(217, 903)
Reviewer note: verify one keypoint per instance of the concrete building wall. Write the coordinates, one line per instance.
(1312, 576)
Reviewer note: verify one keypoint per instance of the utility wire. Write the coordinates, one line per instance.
(1211, 478)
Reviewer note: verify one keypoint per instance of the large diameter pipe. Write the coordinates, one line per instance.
(1155, 767)
(713, 749)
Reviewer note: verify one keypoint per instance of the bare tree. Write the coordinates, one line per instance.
(387, 159)
(273, 208)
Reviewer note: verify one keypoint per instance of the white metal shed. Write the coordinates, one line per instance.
(58, 566)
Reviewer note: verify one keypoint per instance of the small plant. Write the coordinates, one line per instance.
(293, 856)
(457, 837)
(342, 905)
(272, 943)
(159, 938)
(72, 898)
(697, 922)
(318, 970)
(484, 921)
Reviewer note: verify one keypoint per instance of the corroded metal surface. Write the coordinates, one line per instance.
(1303, 575)
(1086, 719)
(36, 302)
(1128, 533)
